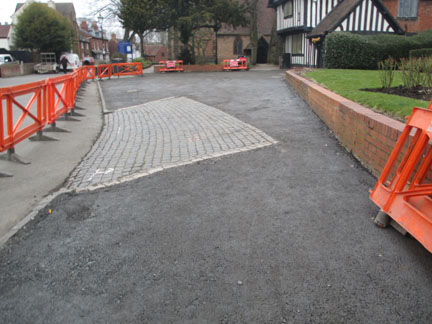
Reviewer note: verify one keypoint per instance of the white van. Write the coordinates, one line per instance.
(74, 60)
(6, 58)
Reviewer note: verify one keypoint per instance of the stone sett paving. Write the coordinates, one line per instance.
(144, 139)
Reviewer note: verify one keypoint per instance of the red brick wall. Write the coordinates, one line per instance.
(226, 46)
(369, 136)
(423, 21)
(159, 56)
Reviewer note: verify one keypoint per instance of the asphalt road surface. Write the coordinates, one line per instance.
(279, 234)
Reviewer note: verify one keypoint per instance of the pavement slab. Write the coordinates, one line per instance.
(281, 234)
(51, 161)
(162, 134)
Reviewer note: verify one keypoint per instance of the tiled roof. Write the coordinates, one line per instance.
(4, 31)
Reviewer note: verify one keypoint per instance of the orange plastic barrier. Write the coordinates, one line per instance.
(235, 64)
(126, 69)
(168, 66)
(402, 191)
(12, 133)
(89, 71)
(53, 97)
(60, 101)
(104, 71)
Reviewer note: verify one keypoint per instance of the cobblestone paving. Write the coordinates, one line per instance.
(144, 139)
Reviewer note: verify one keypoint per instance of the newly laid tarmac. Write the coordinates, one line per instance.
(212, 198)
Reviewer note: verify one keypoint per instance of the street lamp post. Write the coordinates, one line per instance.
(100, 20)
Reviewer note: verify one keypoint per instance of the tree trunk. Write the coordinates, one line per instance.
(141, 36)
(216, 47)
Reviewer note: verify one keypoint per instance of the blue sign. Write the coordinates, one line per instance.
(124, 47)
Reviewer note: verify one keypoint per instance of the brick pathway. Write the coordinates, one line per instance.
(144, 139)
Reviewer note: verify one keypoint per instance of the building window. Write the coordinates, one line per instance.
(297, 44)
(163, 54)
(288, 9)
(238, 46)
(407, 8)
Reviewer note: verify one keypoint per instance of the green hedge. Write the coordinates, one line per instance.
(422, 52)
(143, 62)
(343, 50)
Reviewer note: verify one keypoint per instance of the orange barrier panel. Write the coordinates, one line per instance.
(168, 66)
(89, 72)
(235, 64)
(126, 69)
(402, 191)
(50, 99)
(60, 101)
(104, 71)
(12, 133)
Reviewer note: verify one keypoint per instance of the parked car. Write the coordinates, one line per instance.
(88, 60)
(74, 60)
(6, 58)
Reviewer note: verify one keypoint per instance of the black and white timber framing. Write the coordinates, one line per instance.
(314, 19)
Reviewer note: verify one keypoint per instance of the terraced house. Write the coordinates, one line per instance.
(304, 24)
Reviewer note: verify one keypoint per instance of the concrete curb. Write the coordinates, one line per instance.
(47, 200)
(104, 110)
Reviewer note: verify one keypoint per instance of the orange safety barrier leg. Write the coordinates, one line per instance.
(53, 128)
(5, 175)
(40, 137)
(12, 156)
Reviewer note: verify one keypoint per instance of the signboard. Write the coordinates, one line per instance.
(234, 63)
(171, 64)
(124, 47)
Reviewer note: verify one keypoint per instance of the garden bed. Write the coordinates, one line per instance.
(352, 83)
(419, 93)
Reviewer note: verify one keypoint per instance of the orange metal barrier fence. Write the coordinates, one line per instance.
(104, 71)
(49, 100)
(127, 69)
(403, 190)
(32, 113)
(60, 96)
(118, 69)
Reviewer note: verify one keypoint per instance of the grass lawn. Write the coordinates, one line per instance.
(348, 83)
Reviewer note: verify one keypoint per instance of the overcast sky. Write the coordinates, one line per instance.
(83, 8)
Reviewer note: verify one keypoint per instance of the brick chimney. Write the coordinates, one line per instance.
(84, 25)
(94, 26)
(113, 36)
(51, 4)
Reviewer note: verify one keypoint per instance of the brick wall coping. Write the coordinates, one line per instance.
(348, 103)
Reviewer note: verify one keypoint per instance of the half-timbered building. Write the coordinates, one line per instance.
(303, 24)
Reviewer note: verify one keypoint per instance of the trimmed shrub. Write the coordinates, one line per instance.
(350, 51)
(345, 50)
(143, 61)
(422, 52)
